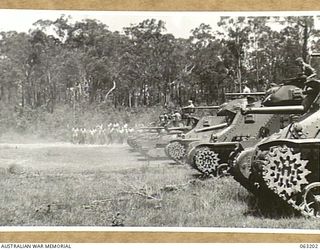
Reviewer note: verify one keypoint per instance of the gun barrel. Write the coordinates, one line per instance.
(246, 94)
(147, 128)
(207, 107)
(298, 109)
(222, 125)
(179, 128)
(202, 107)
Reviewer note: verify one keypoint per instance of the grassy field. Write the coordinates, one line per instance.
(59, 184)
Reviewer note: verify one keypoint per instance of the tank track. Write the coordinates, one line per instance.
(283, 172)
(132, 142)
(176, 151)
(206, 161)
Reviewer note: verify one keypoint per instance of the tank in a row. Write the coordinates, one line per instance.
(283, 169)
(151, 141)
(213, 157)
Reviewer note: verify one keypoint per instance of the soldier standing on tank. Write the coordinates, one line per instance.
(177, 119)
(187, 113)
(190, 104)
(307, 71)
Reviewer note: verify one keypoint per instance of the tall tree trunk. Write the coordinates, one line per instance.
(305, 42)
(1, 93)
(135, 98)
(239, 62)
(22, 94)
(239, 74)
(52, 92)
(92, 93)
(130, 99)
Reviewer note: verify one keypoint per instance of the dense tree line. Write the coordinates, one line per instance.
(84, 63)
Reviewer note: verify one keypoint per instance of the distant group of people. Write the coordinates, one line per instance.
(180, 117)
(172, 119)
(100, 134)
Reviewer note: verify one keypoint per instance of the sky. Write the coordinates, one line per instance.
(177, 22)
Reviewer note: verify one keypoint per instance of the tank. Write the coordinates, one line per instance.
(150, 131)
(152, 145)
(177, 149)
(283, 170)
(215, 157)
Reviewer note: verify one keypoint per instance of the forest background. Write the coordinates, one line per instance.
(64, 74)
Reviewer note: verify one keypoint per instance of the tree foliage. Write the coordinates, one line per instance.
(60, 62)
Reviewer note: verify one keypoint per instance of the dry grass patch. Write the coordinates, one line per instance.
(93, 191)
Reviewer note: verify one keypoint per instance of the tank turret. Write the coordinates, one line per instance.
(283, 95)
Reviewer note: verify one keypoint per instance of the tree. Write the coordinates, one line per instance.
(237, 40)
(16, 66)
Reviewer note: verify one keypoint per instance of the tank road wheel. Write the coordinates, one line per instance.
(223, 170)
(241, 168)
(166, 150)
(134, 144)
(129, 142)
(240, 161)
(284, 172)
(176, 151)
(206, 161)
(311, 200)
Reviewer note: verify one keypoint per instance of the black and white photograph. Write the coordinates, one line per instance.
(132, 119)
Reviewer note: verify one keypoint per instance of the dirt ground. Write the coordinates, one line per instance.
(67, 157)
(61, 184)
